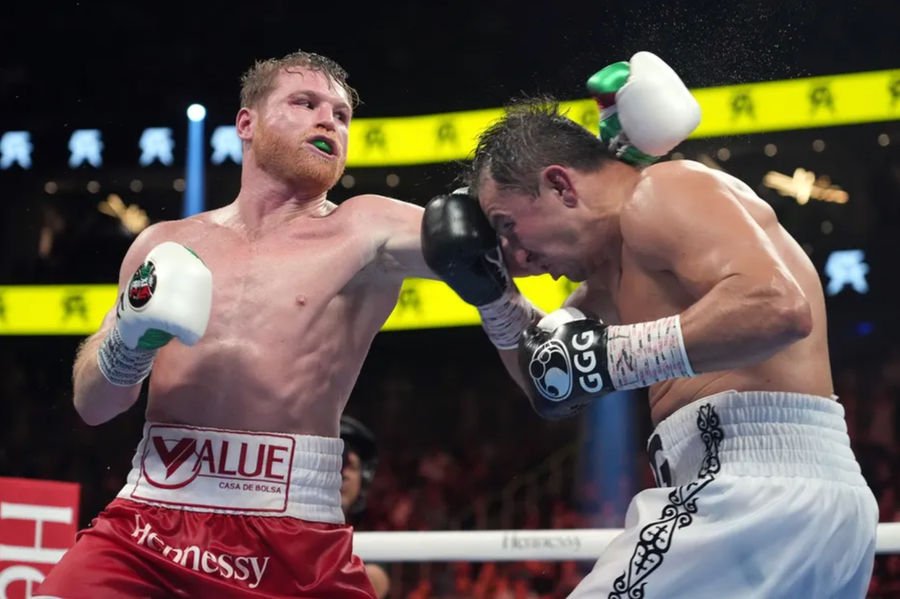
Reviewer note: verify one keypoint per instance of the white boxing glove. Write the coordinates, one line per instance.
(646, 110)
(169, 295)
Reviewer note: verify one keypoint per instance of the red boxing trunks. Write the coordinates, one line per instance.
(217, 513)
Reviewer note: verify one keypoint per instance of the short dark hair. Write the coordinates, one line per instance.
(258, 80)
(531, 135)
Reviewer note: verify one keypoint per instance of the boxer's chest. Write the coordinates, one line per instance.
(283, 277)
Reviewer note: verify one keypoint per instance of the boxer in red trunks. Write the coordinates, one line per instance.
(255, 319)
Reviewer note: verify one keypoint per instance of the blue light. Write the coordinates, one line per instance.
(864, 328)
(196, 112)
(609, 459)
(195, 173)
(847, 267)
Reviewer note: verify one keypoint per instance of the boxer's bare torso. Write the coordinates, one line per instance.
(641, 289)
(300, 286)
(295, 309)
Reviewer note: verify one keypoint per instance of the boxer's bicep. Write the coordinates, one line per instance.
(746, 304)
(397, 230)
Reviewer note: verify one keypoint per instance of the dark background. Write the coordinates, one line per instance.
(121, 67)
(69, 61)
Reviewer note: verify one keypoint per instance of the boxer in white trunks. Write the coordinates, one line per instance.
(691, 287)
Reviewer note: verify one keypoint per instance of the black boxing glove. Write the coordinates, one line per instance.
(462, 248)
(563, 360)
(568, 360)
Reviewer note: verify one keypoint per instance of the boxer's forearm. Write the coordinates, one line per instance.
(737, 325)
(96, 399)
(510, 359)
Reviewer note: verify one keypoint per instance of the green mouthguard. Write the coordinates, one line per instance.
(322, 145)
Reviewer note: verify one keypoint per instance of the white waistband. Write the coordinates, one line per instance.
(238, 472)
(755, 433)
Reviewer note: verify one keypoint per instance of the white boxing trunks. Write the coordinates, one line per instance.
(759, 495)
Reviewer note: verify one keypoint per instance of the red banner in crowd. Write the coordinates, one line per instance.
(38, 520)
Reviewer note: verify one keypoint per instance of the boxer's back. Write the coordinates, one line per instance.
(294, 313)
(801, 367)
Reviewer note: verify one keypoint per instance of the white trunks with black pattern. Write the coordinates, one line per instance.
(760, 496)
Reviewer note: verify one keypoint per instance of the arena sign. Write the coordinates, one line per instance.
(803, 103)
(79, 309)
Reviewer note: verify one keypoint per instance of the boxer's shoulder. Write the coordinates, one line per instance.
(379, 218)
(175, 230)
(378, 208)
(667, 190)
(669, 177)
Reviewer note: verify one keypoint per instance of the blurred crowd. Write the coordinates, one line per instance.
(459, 449)
(429, 491)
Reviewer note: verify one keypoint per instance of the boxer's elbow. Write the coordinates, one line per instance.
(89, 413)
(791, 316)
(95, 409)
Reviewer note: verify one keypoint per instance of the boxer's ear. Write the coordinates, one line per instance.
(559, 179)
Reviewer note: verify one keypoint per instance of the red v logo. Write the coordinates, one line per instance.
(175, 457)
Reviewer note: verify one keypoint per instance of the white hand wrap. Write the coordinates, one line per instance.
(505, 318)
(121, 365)
(647, 352)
